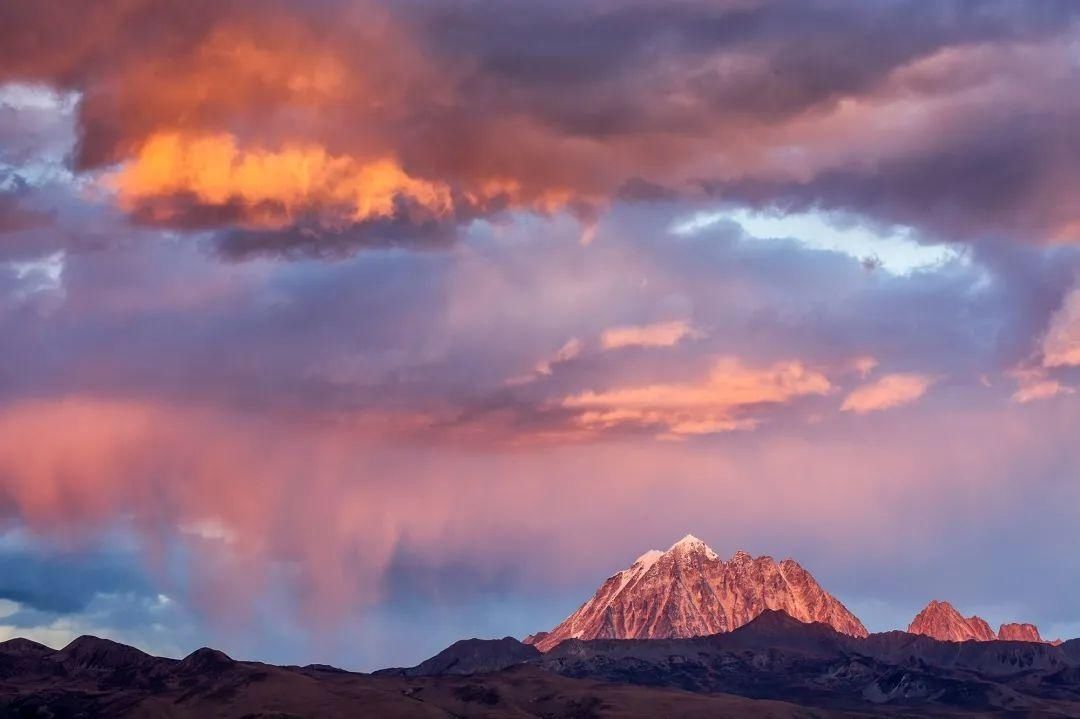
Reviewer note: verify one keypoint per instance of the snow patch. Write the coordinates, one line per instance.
(690, 543)
(648, 559)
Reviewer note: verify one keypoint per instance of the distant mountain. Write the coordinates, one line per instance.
(688, 591)
(471, 656)
(1019, 633)
(942, 621)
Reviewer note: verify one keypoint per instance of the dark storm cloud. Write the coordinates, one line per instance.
(480, 107)
(547, 58)
(1006, 176)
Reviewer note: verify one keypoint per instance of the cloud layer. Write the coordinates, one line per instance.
(941, 118)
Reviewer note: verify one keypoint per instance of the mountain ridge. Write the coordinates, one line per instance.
(774, 665)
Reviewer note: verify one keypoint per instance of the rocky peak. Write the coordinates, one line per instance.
(741, 557)
(689, 591)
(1019, 632)
(942, 621)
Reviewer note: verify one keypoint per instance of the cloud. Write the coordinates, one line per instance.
(1045, 389)
(544, 368)
(567, 352)
(290, 444)
(706, 407)
(865, 365)
(418, 112)
(1061, 344)
(893, 390)
(269, 188)
(15, 216)
(1034, 384)
(660, 334)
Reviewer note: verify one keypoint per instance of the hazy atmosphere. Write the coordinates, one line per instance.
(338, 331)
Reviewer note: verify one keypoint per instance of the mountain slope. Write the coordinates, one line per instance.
(689, 591)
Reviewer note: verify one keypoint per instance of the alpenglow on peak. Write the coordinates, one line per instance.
(689, 591)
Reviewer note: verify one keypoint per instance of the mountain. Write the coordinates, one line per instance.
(942, 621)
(689, 591)
(471, 656)
(1019, 633)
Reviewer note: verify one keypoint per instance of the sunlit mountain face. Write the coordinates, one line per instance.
(336, 332)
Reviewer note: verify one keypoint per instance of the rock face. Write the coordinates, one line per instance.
(941, 621)
(1019, 633)
(689, 591)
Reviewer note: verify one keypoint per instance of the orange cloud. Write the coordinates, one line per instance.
(894, 390)
(705, 407)
(272, 186)
(660, 334)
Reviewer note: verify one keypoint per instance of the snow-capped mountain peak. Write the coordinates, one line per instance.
(692, 545)
(689, 591)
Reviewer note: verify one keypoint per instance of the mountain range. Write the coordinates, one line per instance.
(680, 633)
(689, 591)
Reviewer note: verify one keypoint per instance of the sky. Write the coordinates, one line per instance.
(337, 331)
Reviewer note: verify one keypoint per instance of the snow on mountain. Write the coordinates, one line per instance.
(690, 591)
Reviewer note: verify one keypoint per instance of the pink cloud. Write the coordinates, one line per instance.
(1035, 384)
(322, 508)
(1061, 345)
(894, 390)
(711, 405)
(659, 334)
